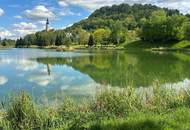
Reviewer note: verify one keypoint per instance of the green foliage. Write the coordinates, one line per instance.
(91, 40)
(182, 44)
(119, 12)
(7, 42)
(127, 108)
(118, 34)
(29, 40)
(43, 38)
(83, 37)
(130, 23)
(116, 25)
(101, 36)
(162, 28)
(22, 113)
(60, 38)
(186, 30)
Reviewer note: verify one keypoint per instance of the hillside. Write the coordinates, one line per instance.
(118, 25)
(105, 16)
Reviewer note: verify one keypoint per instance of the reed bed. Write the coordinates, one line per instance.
(156, 108)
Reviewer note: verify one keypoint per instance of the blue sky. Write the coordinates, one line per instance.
(21, 17)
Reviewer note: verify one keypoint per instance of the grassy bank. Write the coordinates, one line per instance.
(183, 45)
(79, 47)
(156, 46)
(6, 47)
(163, 109)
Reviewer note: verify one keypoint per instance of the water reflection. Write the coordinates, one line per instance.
(19, 72)
(121, 69)
(49, 73)
(3, 80)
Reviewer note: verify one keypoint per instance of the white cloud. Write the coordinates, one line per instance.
(1, 12)
(91, 4)
(18, 17)
(42, 22)
(26, 65)
(62, 3)
(3, 80)
(4, 33)
(68, 12)
(42, 80)
(182, 5)
(24, 28)
(39, 12)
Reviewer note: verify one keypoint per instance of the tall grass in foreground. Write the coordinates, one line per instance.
(157, 108)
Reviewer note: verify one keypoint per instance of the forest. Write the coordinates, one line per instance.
(118, 25)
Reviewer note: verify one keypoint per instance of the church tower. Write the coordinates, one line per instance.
(47, 24)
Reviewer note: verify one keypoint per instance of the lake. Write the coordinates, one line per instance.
(49, 74)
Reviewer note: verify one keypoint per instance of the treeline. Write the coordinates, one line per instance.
(130, 16)
(161, 27)
(116, 25)
(103, 36)
(7, 42)
(43, 38)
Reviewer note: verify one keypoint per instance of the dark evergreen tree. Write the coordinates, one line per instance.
(91, 40)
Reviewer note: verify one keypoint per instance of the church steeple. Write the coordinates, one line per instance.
(47, 24)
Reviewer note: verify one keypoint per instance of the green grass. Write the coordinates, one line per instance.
(111, 110)
(175, 120)
(182, 44)
(148, 45)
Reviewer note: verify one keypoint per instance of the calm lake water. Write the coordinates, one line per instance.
(47, 73)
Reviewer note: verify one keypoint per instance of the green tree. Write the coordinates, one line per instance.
(82, 36)
(60, 38)
(29, 40)
(20, 42)
(162, 28)
(130, 23)
(91, 40)
(186, 30)
(118, 33)
(101, 36)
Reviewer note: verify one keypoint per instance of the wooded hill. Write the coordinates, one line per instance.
(118, 24)
(131, 16)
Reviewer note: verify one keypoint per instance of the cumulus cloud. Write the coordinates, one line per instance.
(18, 17)
(68, 12)
(41, 80)
(63, 3)
(3, 80)
(24, 28)
(39, 12)
(26, 65)
(90, 4)
(182, 5)
(1, 12)
(4, 33)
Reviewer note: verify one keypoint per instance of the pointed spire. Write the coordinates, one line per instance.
(47, 23)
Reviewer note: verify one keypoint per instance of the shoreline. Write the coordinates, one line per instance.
(183, 46)
(171, 49)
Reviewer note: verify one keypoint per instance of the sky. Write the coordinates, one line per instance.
(21, 17)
